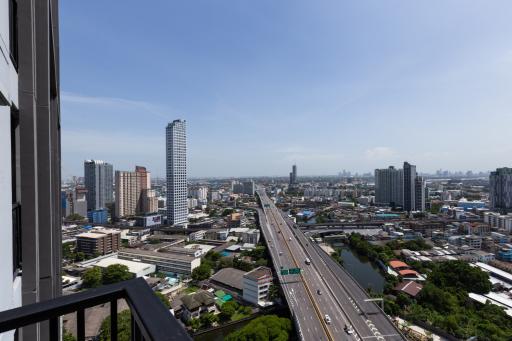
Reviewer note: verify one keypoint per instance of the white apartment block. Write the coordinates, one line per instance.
(499, 221)
(256, 284)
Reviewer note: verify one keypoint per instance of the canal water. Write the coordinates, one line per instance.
(363, 271)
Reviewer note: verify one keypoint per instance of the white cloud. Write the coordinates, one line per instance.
(69, 97)
(380, 153)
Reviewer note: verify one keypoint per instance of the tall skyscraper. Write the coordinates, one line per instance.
(409, 187)
(176, 156)
(99, 184)
(293, 175)
(389, 189)
(127, 193)
(500, 189)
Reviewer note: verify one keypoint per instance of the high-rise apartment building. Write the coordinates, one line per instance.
(127, 193)
(419, 194)
(176, 169)
(149, 201)
(30, 196)
(144, 184)
(400, 187)
(409, 186)
(500, 189)
(389, 186)
(98, 178)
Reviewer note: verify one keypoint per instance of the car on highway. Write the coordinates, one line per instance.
(327, 319)
(319, 292)
(307, 261)
(290, 238)
(280, 253)
(349, 329)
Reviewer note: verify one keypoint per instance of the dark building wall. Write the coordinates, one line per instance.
(39, 113)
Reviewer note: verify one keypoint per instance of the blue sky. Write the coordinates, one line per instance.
(330, 85)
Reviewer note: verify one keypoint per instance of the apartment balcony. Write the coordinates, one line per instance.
(150, 319)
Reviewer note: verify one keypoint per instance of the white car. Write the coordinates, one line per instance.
(280, 253)
(289, 238)
(349, 329)
(327, 319)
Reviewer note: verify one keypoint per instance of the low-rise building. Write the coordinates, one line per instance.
(175, 263)
(196, 304)
(98, 242)
(197, 235)
(138, 269)
(98, 216)
(505, 253)
(256, 286)
(251, 236)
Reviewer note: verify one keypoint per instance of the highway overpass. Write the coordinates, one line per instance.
(322, 288)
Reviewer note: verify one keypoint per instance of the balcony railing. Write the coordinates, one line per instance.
(150, 320)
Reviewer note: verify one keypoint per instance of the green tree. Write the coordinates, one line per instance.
(226, 262)
(460, 275)
(80, 256)
(207, 319)
(268, 327)
(116, 273)
(273, 291)
(75, 217)
(227, 310)
(227, 212)
(164, 299)
(67, 251)
(202, 272)
(123, 327)
(92, 278)
(194, 323)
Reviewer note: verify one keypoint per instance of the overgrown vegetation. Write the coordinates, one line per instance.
(444, 303)
(269, 327)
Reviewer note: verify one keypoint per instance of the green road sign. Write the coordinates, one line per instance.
(294, 271)
(284, 272)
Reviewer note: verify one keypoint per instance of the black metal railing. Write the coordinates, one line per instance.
(150, 319)
(16, 239)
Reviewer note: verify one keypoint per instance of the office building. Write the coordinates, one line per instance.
(389, 186)
(98, 242)
(500, 190)
(256, 284)
(176, 169)
(252, 236)
(98, 178)
(30, 196)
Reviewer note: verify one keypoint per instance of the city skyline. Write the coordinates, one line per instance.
(328, 86)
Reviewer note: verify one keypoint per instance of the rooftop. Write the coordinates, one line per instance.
(133, 267)
(230, 277)
(258, 273)
(409, 287)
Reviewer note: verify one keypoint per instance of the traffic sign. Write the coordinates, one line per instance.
(294, 271)
(284, 272)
